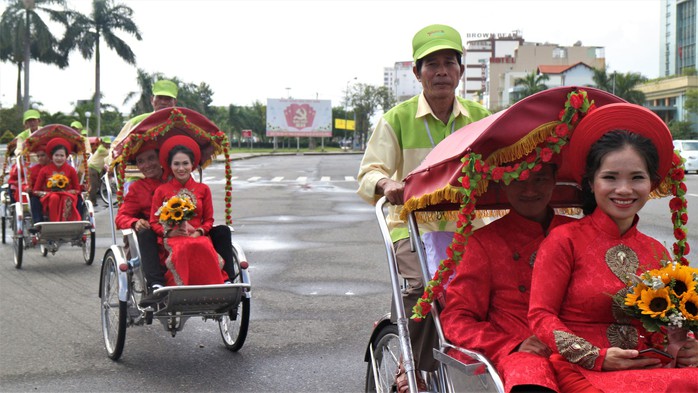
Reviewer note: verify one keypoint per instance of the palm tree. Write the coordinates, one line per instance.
(24, 35)
(531, 84)
(86, 33)
(622, 85)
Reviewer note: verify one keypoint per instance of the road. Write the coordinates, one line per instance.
(319, 282)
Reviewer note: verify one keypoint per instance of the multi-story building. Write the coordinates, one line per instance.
(529, 57)
(477, 56)
(677, 40)
(401, 81)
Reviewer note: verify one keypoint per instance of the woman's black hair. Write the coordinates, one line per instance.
(613, 141)
(181, 149)
(58, 147)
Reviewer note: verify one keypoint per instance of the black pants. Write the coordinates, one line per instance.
(37, 210)
(150, 259)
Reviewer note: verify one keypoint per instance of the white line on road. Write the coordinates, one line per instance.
(302, 179)
(277, 179)
(348, 178)
(254, 178)
(325, 178)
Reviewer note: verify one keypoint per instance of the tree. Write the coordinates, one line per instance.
(682, 130)
(531, 84)
(24, 35)
(622, 85)
(86, 33)
(366, 99)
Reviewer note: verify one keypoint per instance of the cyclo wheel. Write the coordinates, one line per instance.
(386, 350)
(44, 250)
(88, 250)
(18, 243)
(234, 330)
(4, 229)
(113, 310)
(103, 194)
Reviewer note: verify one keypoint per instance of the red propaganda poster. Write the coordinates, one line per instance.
(302, 118)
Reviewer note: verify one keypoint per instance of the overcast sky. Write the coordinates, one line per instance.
(254, 50)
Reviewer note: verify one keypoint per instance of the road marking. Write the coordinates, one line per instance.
(277, 179)
(302, 179)
(254, 178)
(325, 178)
(233, 177)
(348, 178)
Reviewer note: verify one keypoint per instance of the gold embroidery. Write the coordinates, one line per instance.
(622, 261)
(622, 336)
(576, 349)
(618, 314)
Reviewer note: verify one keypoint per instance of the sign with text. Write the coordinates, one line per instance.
(247, 133)
(344, 124)
(299, 117)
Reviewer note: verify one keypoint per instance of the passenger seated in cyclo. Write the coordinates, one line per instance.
(135, 213)
(487, 300)
(57, 185)
(42, 160)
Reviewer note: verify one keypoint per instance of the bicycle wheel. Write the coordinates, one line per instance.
(234, 331)
(113, 310)
(104, 195)
(88, 248)
(386, 350)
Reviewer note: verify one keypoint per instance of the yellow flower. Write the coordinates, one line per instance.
(174, 203)
(684, 279)
(177, 214)
(164, 215)
(632, 299)
(689, 305)
(49, 183)
(655, 303)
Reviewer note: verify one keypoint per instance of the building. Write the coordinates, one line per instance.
(666, 96)
(677, 40)
(401, 81)
(477, 55)
(502, 72)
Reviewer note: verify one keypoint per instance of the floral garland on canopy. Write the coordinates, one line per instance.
(477, 174)
(218, 140)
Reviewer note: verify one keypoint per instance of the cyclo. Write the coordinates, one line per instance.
(452, 182)
(122, 281)
(29, 231)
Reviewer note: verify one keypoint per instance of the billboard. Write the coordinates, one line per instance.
(286, 117)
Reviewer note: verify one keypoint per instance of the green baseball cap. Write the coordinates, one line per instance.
(31, 114)
(435, 38)
(77, 125)
(106, 139)
(165, 88)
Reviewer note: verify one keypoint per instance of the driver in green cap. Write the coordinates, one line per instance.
(164, 96)
(32, 121)
(77, 126)
(401, 140)
(95, 166)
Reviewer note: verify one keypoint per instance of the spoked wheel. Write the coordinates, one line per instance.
(113, 310)
(18, 243)
(103, 194)
(386, 350)
(88, 248)
(234, 331)
(44, 250)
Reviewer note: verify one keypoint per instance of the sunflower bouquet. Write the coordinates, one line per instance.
(177, 210)
(57, 182)
(664, 298)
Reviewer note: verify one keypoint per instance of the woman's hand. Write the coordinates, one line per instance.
(176, 232)
(141, 224)
(688, 354)
(626, 359)
(535, 346)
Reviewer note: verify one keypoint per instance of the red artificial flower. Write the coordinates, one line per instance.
(426, 307)
(679, 234)
(227, 205)
(449, 252)
(684, 218)
(537, 168)
(447, 275)
(592, 108)
(682, 186)
(677, 174)
(562, 130)
(675, 204)
(468, 209)
(458, 237)
(497, 173)
(686, 248)
(437, 290)
(576, 100)
(478, 166)
(530, 159)
(552, 139)
(524, 175)
(575, 117)
(546, 154)
(449, 263)
(561, 115)
(458, 247)
(466, 181)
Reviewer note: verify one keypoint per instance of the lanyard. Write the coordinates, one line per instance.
(431, 139)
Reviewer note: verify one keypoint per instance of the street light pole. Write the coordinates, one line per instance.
(87, 121)
(346, 109)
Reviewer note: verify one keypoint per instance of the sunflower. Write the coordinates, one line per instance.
(689, 305)
(633, 298)
(61, 183)
(177, 214)
(174, 203)
(683, 279)
(164, 215)
(655, 303)
(49, 183)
